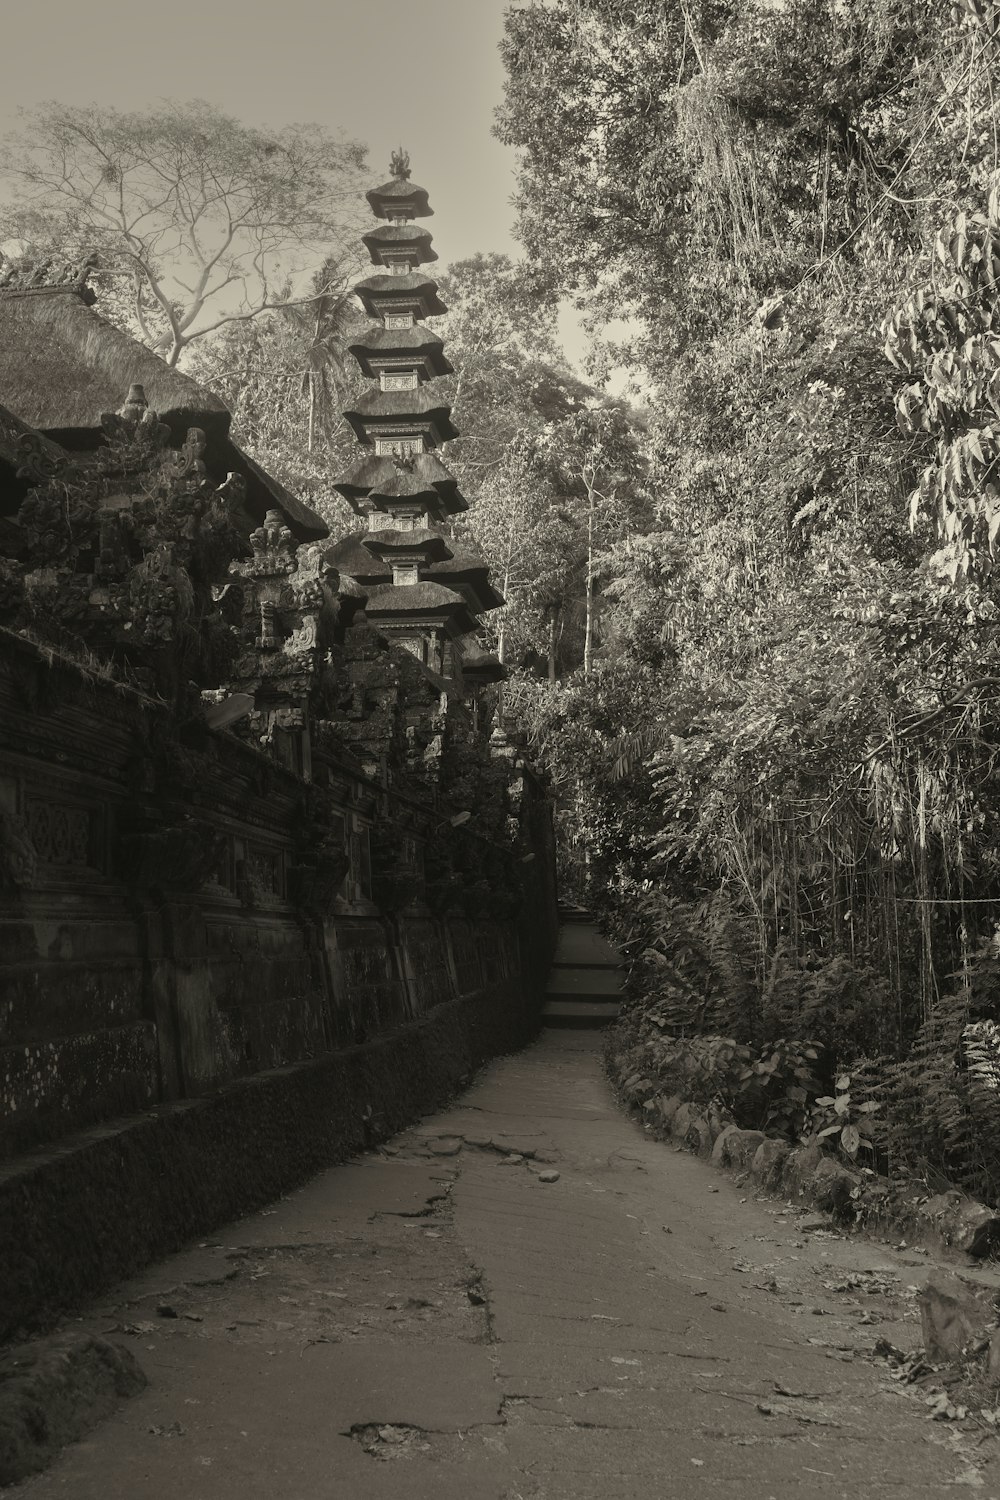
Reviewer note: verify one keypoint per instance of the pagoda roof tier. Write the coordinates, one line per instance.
(399, 198)
(357, 557)
(413, 293)
(352, 559)
(430, 545)
(430, 468)
(467, 569)
(423, 478)
(394, 242)
(425, 602)
(483, 667)
(400, 413)
(402, 348)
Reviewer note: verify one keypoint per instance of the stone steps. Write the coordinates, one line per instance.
(585, 981)
(573, 1016)
(568, 979)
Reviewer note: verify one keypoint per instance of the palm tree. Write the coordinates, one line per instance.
(325, 323)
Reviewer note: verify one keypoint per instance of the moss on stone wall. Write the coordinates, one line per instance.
(108, 1201)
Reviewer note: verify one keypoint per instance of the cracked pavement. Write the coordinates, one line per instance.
(435, 1319)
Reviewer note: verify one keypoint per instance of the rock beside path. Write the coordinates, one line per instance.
(736, 1147)
(955, 1315)
(53, 1393)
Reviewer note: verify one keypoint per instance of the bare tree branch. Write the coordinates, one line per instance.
(210, 212)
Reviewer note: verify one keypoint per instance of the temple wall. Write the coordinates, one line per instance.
(155, 941)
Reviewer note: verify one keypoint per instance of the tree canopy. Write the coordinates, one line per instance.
(779, 776)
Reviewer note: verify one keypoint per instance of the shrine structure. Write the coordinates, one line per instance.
(426, 591)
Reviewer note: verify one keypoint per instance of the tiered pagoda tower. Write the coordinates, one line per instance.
(425, 591)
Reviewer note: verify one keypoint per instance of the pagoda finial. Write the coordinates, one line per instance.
(399, 164)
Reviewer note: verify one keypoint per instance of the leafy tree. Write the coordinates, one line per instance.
(525, 421)
(285, 376)
(598, 466)
(518, 527)
(203, 218)
(799, 780)
(682, 164)
(510, 375)
(324, 327)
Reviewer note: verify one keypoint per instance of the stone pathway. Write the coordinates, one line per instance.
(524, 1298)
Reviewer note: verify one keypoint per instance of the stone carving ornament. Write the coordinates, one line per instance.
(120, 552)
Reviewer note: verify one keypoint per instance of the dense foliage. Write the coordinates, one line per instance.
(779, 777)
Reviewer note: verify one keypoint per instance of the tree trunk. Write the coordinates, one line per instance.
(312, 412)
(502, 637)
(589, 632)
(553, 643)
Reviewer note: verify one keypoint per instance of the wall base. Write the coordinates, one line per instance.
(101, 1204)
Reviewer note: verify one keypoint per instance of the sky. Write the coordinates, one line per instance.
(427, 75)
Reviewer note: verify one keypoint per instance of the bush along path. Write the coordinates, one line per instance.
(764, 1118)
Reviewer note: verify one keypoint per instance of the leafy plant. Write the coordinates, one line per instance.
(981, 1043)
(775, 1090)
(779, 781)
(843, 1116)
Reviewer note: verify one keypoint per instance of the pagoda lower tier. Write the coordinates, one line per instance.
(418, 485)
(425, 619)
(366, 557)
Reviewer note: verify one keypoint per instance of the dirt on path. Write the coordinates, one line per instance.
(523, 1298)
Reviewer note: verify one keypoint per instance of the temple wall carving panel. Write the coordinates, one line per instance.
(178, 913)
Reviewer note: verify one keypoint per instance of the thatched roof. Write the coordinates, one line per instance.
(390, 543)
(377, 479)
(483, 666)
(418, 294)
(62, 365)
(264, 493)
(390, 237)
(419, 601)
(353, 560)
(463, 575)
(467, 569)
(400, 197)
(409, 409)
(424, 478)
(432, 471)
(412, 344)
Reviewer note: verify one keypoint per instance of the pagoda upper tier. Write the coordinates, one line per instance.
(399, 198)
(408, 297)
(399, 245)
